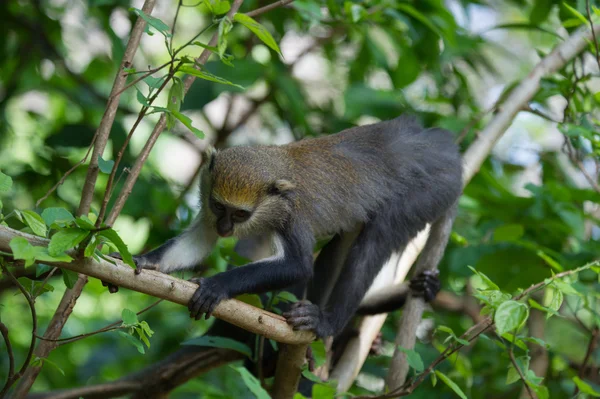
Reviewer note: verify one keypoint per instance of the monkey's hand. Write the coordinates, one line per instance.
(426, 285)
(206, 298)
(304, 315)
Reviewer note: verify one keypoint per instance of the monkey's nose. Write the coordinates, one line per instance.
(225, 233)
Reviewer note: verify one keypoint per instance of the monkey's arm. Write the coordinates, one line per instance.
(185, 251)
(290, 265)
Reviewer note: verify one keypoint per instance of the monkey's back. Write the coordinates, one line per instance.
(346, 178)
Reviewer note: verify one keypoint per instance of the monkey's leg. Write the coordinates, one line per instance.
(372, 248)
(425, 285)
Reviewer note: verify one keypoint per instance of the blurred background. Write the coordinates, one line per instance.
(532, 206)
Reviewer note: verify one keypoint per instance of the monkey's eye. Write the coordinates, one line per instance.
(241, 215)
(218, 206)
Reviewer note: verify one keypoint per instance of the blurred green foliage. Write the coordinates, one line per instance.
(527, 214)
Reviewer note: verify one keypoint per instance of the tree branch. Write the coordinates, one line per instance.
(172, 289)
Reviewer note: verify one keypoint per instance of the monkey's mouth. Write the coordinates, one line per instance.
(225, 233)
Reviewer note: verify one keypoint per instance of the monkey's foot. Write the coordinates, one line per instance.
(426, 285)
(206, 298)
(377, 345)
(114, 288)
(304, 315)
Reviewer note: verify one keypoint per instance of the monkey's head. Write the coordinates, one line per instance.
(246, 190)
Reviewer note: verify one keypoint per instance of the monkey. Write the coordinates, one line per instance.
(372, 188)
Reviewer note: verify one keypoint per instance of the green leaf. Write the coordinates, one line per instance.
(553, 299)
(5, 183)
(319, 353)
(576, 13)
(106, 166)
(141, 98)
(549, 261)
(540, 11)
(286, 296)
(152, 82)
(585, 387)
(66, 239)
(187, 122)
(224, 28)
(413, 358)
(154, 22)
(252, 383)
(451, 384)
(113, 237)
(129, 317)
(35, 223)
(91, 247)
(510, 316)
(490, 285)
(250, 299)
(44, 361)
(22, 249)
(513, 375)
(509, 232)
(41, 269)
(206, 76)
(566, 288)
(174, 101)
(56, 216)
(131, 339)
(260, 31)
(220, 342)
(69, 278)
(85, 223)
(323, 391)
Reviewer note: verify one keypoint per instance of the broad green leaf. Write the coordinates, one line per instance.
(152, 82)
(35, 223)
(566, 288)
(251, 299)
(41, 269)
(69, 278)
(22, 249)
(252, 383)
(5, 183)
(585, 387)
(113, 237)
(141, 98)
(450, 384)
(510, 316)
(318, 352)
(56, 215)
(553, 299)
(323, 391)
(174, 101)
(105, 166)
(551, 262)
(35, 287)
(91, 247)
(220, 342)
(224, 28)
(85, 223)
(187, 122)
(576, 13)
(286, 296)
(66, 239)
(44, 361)
(509, 232)
(260, 31)
(129, 317)
(131, 339)
(221, 7)
(206, 76)
(152, 21)
(413, 358)
(490, 285)
(513, 375)
(540, 11)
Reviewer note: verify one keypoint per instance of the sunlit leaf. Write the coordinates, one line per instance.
(5, 183)
(450, 384)
(152, 21)
(66, 239)
(510, 316)
(35, 223)
(260, 31)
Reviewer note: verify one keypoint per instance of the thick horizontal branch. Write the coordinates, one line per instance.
(172, 289)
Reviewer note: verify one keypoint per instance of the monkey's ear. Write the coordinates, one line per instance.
(208, 157)
(281, 186)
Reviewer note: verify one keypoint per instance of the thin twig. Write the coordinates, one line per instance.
(588, 354)
(29, 356)
(41, 288)
(269, 7)
(11, 358)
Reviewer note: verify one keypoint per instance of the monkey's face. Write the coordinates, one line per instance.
(246, 194)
